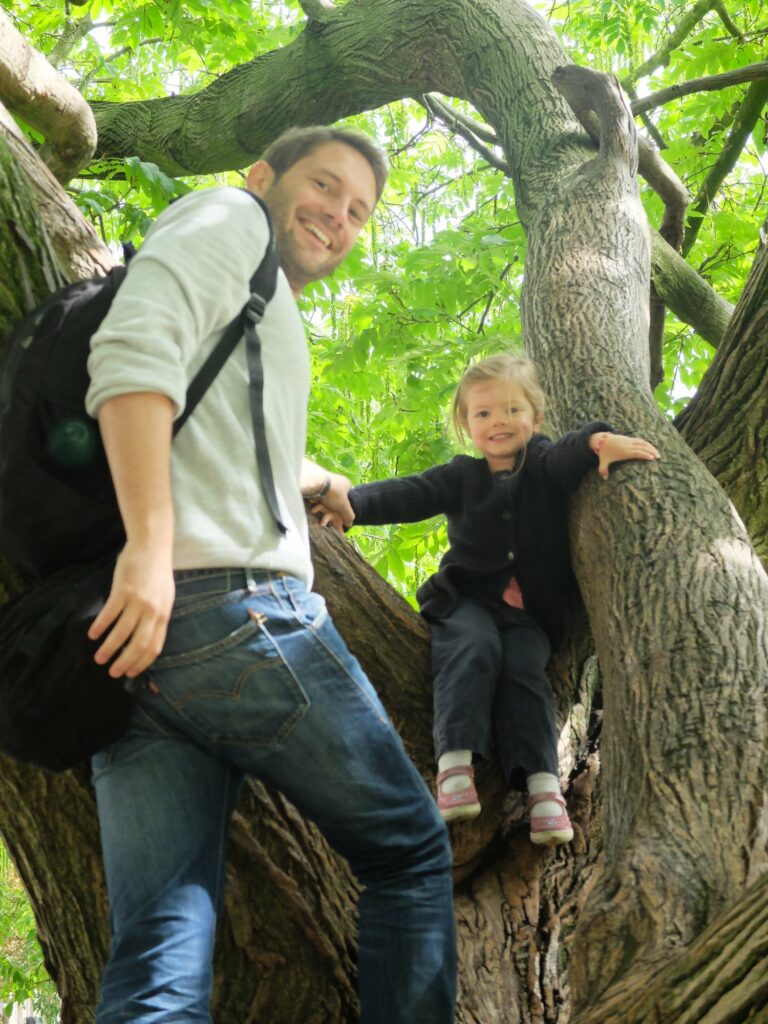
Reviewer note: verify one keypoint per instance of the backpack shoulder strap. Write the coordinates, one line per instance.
(262, 285)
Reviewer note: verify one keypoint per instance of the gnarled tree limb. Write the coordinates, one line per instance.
(32, 90)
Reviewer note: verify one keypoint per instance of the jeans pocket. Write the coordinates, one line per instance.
(235, 690)
(309, 608)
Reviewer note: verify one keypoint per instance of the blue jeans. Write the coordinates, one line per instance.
(255, 680)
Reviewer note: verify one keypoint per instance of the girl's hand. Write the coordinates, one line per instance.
(611, 448)
(328, 517)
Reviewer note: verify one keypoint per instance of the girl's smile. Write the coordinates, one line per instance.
(500, 421)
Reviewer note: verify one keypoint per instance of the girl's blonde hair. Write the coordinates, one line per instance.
(517, 369)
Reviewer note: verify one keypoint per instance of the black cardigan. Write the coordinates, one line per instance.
(499, 524)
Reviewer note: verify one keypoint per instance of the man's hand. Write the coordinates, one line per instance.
(137, 611)
(332, 489)
(611, 448)
(136, 429)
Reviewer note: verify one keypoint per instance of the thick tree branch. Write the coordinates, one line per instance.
(77, 250)
(709, 83)
(32, 90)
(652, 167)
(466, 129)
(692, 299)
(735, 449)
(717, 979)
(746, 118)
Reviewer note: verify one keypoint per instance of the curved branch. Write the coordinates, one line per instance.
(734, 449)
(727, 20)
(651, 166)
(465, 128)
(710, 83)
(482, 131)
(32, 90)
(746, 118)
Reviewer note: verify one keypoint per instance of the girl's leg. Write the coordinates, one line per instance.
(525, 713)
(466, 660)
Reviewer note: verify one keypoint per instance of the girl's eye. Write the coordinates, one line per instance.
(321, 184)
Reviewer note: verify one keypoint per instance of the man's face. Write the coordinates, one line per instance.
(318, 207)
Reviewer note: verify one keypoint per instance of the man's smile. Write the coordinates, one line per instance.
(318, 232)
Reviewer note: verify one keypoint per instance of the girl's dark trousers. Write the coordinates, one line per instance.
(488, 662)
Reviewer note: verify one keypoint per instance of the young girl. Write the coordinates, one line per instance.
(494, 604)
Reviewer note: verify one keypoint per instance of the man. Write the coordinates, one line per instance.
(252, 677)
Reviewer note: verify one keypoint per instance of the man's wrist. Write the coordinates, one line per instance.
(319, 492)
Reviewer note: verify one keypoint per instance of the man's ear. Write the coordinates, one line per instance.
(260, 178)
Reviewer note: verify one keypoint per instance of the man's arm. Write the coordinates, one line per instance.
(332, 489)
(136, 430)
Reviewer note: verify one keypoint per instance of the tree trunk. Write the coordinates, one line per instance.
(675, 595)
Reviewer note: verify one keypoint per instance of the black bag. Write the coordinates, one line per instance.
(57, 706)
(57, 502)
(59, 519)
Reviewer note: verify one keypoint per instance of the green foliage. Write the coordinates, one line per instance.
(22, 972)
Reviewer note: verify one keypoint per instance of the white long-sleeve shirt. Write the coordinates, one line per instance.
(187, 282)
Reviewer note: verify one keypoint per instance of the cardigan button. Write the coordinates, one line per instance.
(506, 514)
(511, 556)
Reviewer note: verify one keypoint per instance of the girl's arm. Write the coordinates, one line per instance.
(405, 499)
(567, 461)
(611, 448)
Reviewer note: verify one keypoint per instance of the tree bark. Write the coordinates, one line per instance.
(660, 557)
(733, 444)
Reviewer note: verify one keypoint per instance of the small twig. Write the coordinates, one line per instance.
(491, 296)
(710, 83)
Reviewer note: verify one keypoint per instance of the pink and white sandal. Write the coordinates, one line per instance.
(545, 829)
(464, 803)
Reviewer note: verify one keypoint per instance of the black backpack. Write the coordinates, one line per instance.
(59, 518)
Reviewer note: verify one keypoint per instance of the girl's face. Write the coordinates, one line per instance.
(500, 421)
